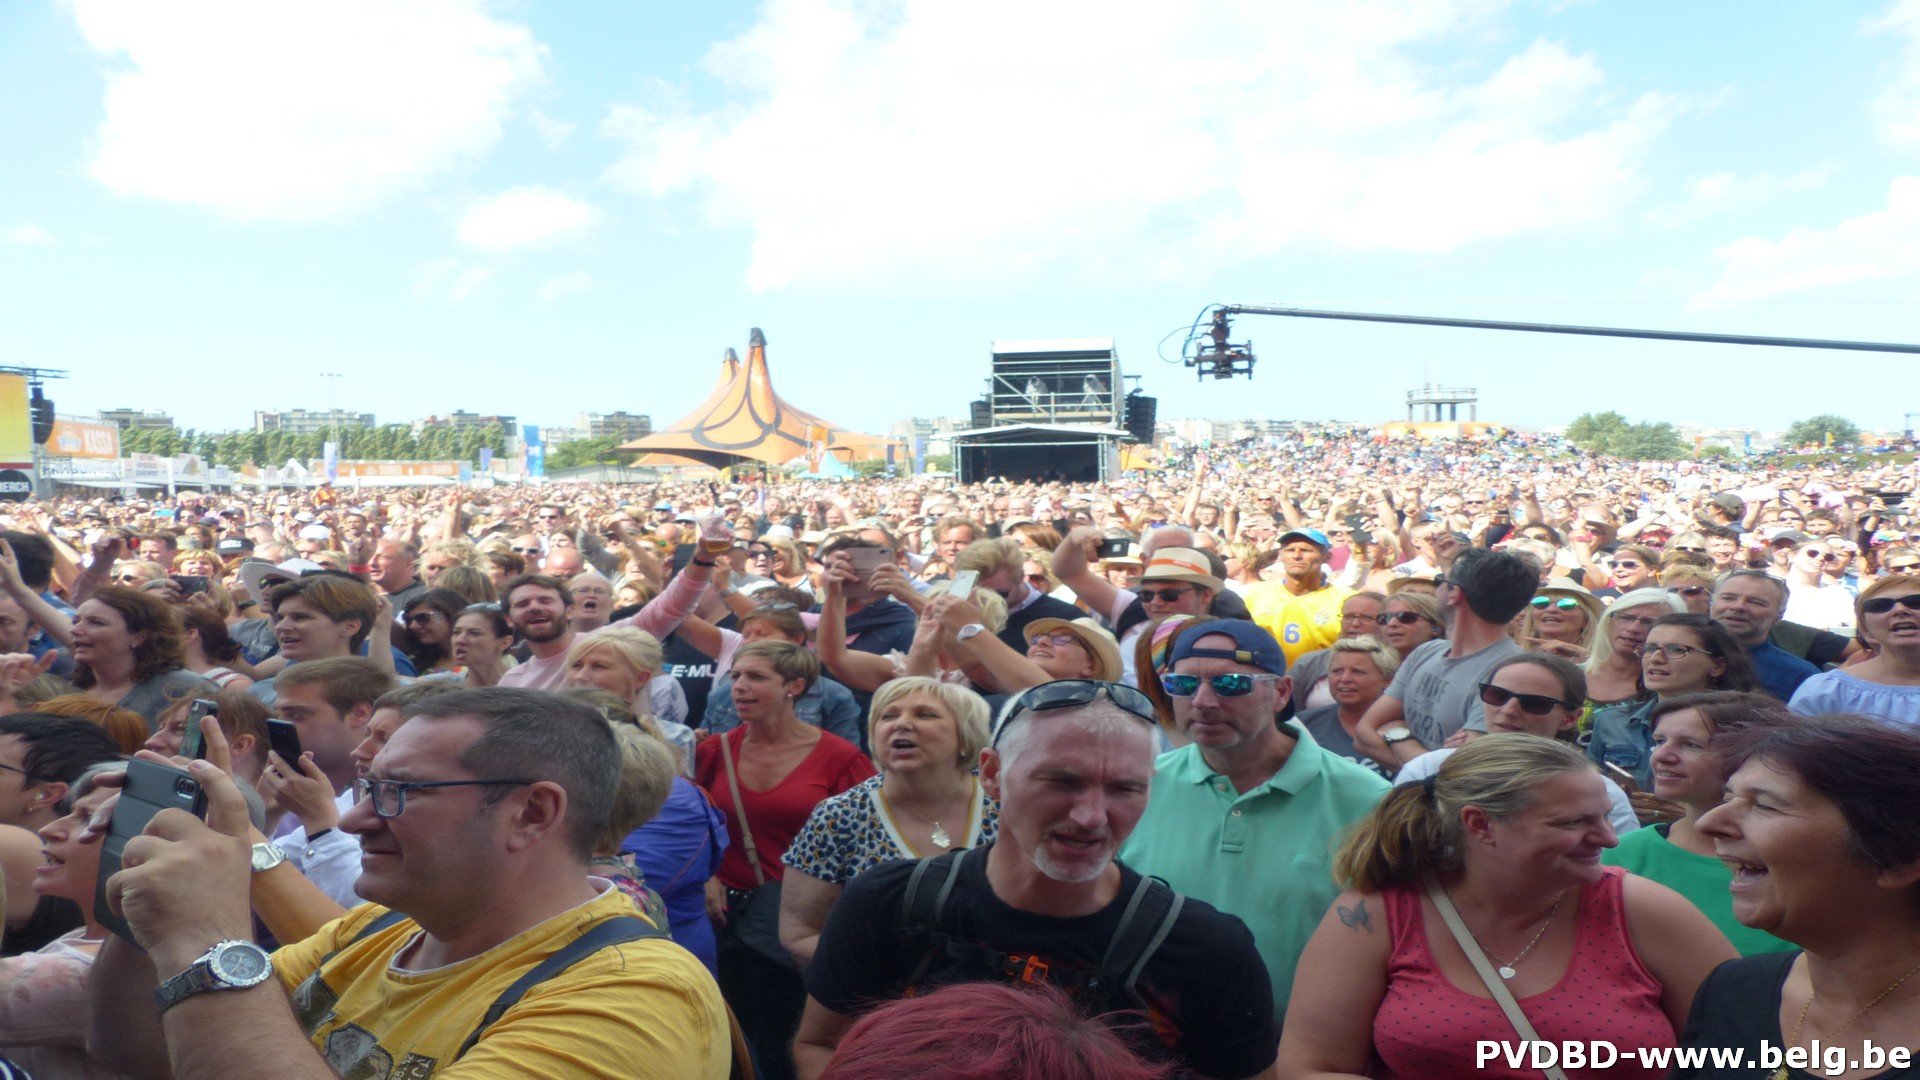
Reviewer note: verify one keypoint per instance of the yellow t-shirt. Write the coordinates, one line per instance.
(640, 1008)
(1301, 623)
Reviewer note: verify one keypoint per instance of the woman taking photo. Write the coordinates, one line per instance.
(1887, 683)
(1613, 667)
(767, 775)
(1358, 671)
(926, 737)
(481, 637)
(1819, 859)
(1684, 654)
(1687, 769)
(1507, 837)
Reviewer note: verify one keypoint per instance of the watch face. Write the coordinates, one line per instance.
(241, 964)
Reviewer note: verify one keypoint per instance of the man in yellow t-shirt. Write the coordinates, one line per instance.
(1301, 609)
(477, 822)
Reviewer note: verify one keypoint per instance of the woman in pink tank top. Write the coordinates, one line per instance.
(1510, 830)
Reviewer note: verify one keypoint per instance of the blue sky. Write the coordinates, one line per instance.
(540, 208)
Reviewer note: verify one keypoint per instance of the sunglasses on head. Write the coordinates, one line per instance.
(1073, 693)
(1404, 618)
(1880, 605)
(1232, 684)
(1564, 603)
(1165, 596)
(1531, 704)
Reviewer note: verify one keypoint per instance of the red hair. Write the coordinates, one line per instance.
(974, 1030)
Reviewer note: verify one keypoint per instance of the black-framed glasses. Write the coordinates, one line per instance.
(1625, 564)
(1564, 603)
(1902, 568)
(1674, 652)
(1880, 605)
(1404, 618)
(30, 778)
(1165, 596)
(1694, 550)
(1231, 684)
(1531, 704)
(388, 798)
(1073, 693)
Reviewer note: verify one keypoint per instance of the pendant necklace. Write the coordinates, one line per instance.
(1510, 969)
(939, 835)
(1781, 1073)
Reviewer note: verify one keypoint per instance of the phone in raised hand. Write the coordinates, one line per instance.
(963, 583)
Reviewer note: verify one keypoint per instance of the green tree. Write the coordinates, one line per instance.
(1596, 432)
(1650, 442)
(1823, 430)
(601, 451)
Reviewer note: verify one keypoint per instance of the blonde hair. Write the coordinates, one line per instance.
(989, 557)
(647, 769)
(1384, 656)
(640, 650)
(968, 709)
(1416, 829)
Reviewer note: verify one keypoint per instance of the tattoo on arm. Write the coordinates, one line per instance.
(1355, 917)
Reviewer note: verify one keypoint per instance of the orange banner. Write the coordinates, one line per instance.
(75, 438)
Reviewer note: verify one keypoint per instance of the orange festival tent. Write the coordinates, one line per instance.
(744, 420)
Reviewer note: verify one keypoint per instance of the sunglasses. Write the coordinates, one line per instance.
(1073, 693)
(1880, 605)
(1565, 603)
(1693, 550)
(1056, 639)
(1165, 596)
(1674, 652)
(1689, 590)
(1531, 704)
(525, 550)
(1404, 618)
(1626, 564)
(1902, 568)
(1233, 684)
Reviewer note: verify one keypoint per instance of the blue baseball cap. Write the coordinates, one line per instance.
(1253, 645)
(1311, 536)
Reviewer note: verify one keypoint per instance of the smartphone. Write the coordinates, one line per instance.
(867, 560)
(963, 583)
(150, 788)
(284, 739)
(1115, 548)
(1624, 778)
(682, 555)
(190, 583)
(193, 743)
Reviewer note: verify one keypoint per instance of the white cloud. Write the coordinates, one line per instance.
(875, 142)
(554, 133)
(526, 217)
(299, 112)
(566, 284)
(1896, 111)
(27, 235)
(1878, 246)
(1723, 192)
(448, 279)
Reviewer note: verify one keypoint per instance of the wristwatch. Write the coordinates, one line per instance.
(1396, 734)
(968, 631)
(266, 857)
(229, 965)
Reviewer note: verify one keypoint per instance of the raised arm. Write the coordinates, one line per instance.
(44, 615)
(1070, 565)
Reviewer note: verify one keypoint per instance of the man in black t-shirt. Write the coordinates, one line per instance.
(1048, 898)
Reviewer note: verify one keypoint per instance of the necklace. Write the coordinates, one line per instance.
(1781, 1072)
(938, 836)
(1509, 969)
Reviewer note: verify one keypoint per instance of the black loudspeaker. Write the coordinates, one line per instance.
(980, 414)
(41, 410)
(1142, 413)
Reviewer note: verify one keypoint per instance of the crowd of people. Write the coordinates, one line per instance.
(1323, 756)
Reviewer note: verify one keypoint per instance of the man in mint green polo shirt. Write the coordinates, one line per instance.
(1247, 815)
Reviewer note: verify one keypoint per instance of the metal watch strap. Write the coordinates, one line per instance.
(199, 976)
(266, 857)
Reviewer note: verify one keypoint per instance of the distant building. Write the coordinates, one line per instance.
(310, 421)
(135, 419)
(621, 425)
(460, 418)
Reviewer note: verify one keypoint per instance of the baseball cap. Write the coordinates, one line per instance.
(233, 545)
(1253, 645)
(1312, 536)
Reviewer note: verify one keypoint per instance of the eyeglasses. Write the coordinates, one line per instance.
(1626, 564)
(1404, 618)
(1688, 590)
(759, 553)
(1232, 684)
(1565, 603)
(1637, 620)
(1833, 556)
(1055, 639)
(1674, 652)
(423, 616)
(1880, 605)
(17, 769)
(1531, 704)
(524, 550)
(1073, 693)
(1694, 550)
(1165, 596)
(1901, 568)
(388, 798)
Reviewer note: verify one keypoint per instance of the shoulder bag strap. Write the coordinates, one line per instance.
(739, 807)
(599, 936)
(1494, 983)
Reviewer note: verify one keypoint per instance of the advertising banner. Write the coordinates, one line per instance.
(16, 426)
(79, 439)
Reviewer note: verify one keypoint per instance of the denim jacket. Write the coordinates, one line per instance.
(1623, 735)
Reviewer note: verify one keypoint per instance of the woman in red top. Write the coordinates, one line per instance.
(1511, 828)
(781, 768)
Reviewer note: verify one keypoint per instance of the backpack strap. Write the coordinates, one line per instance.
(613, 931)
(374, 925)
(1149, 917)
(922, 905)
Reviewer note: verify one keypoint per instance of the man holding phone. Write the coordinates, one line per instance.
(478, 824)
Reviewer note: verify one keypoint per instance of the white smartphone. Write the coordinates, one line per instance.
(963, 583)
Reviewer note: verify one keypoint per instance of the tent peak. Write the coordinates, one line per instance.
(756, 339)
